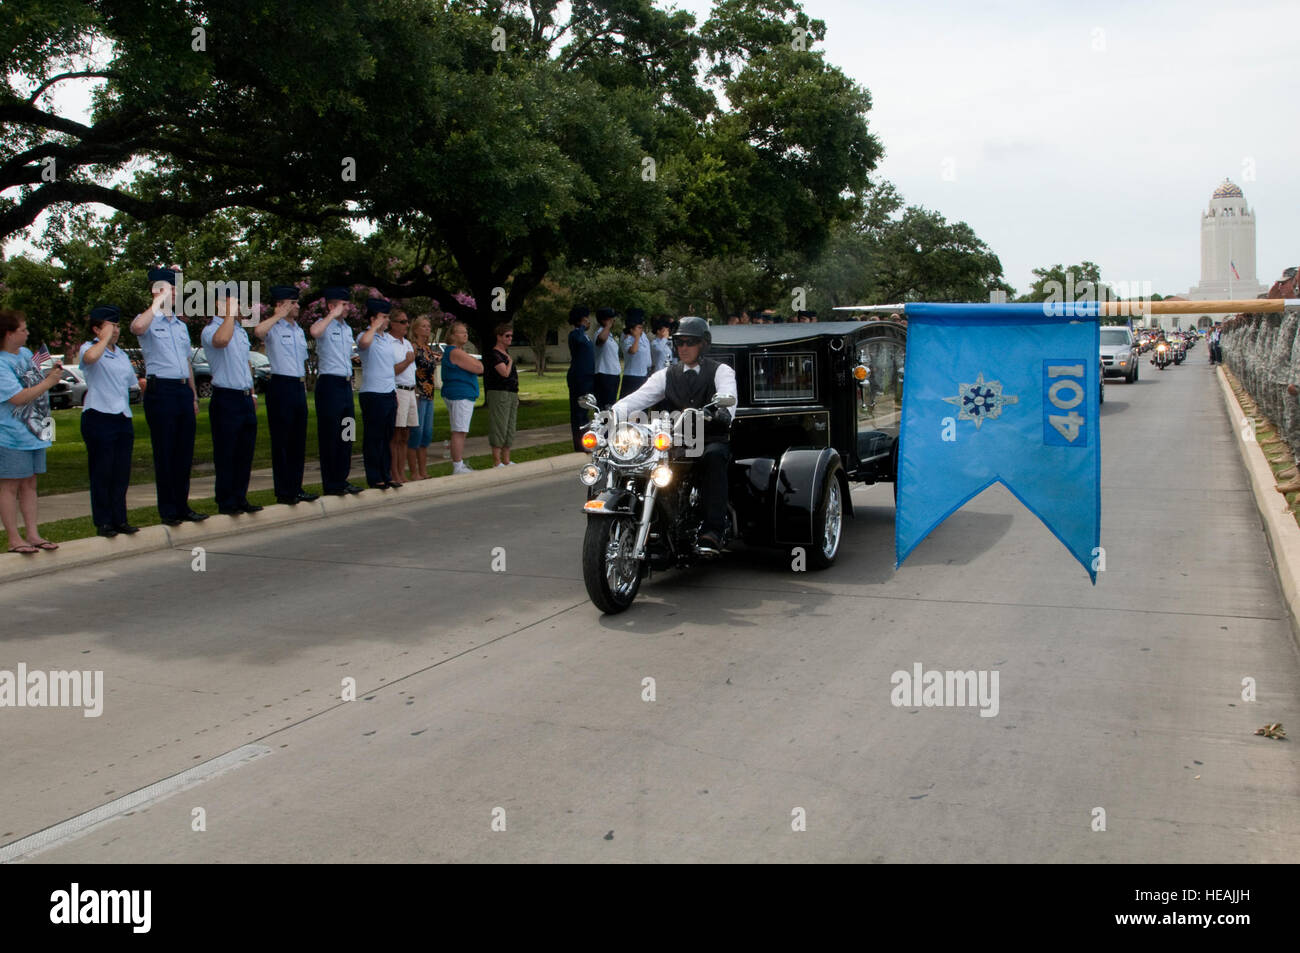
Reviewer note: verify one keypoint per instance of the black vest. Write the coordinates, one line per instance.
(682, 390)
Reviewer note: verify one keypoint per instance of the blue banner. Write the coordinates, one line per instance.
(1002, 394)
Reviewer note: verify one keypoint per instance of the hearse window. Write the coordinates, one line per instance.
(783, 377)
(880, 397)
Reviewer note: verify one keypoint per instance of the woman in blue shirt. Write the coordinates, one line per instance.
(460, 374)
(106, 421)
(25, 431)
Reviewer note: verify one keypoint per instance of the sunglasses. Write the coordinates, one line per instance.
(686, 342)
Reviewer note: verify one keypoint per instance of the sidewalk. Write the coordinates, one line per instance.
(72, 505)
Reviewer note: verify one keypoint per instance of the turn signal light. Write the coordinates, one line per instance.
(663, 440)
(860, 373)
(589, 441)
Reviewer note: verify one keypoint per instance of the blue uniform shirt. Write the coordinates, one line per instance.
(607, 354)
(108, 381)
(377, 373)
(661, 352)
(582, 356)
(286, 346)
(334, 350)
(638, 364)
(166, 347)
(230, 363)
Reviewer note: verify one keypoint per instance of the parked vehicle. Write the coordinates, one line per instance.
(70, 391)
(819, 408)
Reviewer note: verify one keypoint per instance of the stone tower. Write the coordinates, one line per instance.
(1227, 248)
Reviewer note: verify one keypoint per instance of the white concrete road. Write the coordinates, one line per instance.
(480, 691)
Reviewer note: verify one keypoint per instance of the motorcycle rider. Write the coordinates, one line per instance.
(694, 381)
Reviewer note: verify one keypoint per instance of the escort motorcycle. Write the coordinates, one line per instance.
(644, 507)
(1161, 357)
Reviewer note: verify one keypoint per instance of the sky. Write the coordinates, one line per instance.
(1063, 132)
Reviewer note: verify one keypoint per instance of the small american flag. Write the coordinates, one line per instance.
(41, 356)
(1233, 265)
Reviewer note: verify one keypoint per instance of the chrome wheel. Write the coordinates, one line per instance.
(834, 520)
(621, 570)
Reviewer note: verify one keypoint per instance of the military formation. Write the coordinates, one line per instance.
(171, 401)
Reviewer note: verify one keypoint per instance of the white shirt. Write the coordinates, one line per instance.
(407, 377)
(652, 391)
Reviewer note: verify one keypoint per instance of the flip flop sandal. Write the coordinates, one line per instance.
(25, 550)
(46, 544)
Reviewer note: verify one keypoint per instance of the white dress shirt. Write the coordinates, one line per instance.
(652, 391)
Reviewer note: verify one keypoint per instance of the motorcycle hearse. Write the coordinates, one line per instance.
(818, 408)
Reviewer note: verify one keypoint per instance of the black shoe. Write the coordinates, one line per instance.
(287, 500)
(172, 521)
(251, 507)
(353, 488)
(127, 528)
(194, 517)
(710, 542)
(305, 497)
(390, 485)
(229, 510)
(107, 532)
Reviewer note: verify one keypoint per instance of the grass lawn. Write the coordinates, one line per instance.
(543, 402)
(82, 527)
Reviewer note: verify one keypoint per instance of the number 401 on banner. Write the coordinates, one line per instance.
(1066, 409)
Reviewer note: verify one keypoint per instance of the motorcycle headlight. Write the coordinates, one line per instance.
(630, 441)
(589, 475)
(662, 475)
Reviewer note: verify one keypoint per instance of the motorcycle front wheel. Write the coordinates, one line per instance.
(610, 573)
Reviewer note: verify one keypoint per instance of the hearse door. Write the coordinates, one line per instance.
(879, 406)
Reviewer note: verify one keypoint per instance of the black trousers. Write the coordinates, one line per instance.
(711, 471)
(579, 415)
(286, 416)
(379, 419)
(606, 390)
(334, 410)
(109, 438)
(630, 384)
(234, 437)
(169, 411)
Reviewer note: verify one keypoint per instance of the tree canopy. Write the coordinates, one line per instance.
(485, 145)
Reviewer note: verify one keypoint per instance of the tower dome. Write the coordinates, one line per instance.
(1227, 191)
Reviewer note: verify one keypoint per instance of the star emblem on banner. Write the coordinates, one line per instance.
(980, 401)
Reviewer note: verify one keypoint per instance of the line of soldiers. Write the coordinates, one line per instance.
(171, 402)
(594, 360)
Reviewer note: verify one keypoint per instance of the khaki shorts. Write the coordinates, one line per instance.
(408, 414)
(503, 409)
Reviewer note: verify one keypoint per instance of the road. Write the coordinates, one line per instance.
(503, 699)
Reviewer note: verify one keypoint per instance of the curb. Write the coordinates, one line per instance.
(1279, 525)
(96, 549)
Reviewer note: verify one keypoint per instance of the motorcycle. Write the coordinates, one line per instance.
(1161, 357)
(644, 505)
